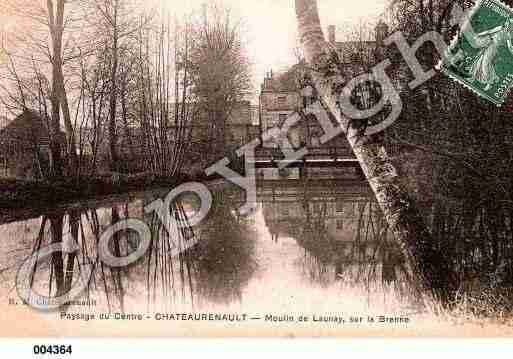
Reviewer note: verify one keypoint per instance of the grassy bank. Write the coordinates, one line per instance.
(20, 198)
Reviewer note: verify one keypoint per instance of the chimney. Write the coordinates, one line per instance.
(331, 34)
(381, 33)
(268, 80)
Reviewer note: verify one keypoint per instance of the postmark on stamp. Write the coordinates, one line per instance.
(481, 56)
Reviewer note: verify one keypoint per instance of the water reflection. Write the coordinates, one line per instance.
(224, 257)
(343, 234)
(335, 235)
(212, 262)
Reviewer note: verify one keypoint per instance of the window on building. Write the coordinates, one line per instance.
(310, 100)
(4, 167)
(340, 207)
(340, 224)
(356, 58)
(316, 207)
(282, 100)
(282, 118)
(285, 211)
(352, 209)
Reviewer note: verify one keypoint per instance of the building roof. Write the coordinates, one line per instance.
(26, 130)
(282, 82)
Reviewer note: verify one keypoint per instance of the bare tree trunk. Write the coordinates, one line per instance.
(58, 88)
(124, 109)
(57, 260)
(113, 90)
(56, 29)
(426, 263)
(70, 131)
(74, 221)
(116, 272)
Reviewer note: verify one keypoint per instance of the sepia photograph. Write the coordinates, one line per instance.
(263, 169)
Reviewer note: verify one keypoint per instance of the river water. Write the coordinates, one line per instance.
(319, 251)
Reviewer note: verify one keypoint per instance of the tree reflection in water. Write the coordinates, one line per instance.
(345, 240)
(224, 257)
(83, 228)
(210, 263)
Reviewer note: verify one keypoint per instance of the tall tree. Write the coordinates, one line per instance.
(58, 94)
(220, 69)
(43, 43)
(162, 99)
(116, 21)
(397, 205)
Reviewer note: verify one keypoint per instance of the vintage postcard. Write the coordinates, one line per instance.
(237, 168)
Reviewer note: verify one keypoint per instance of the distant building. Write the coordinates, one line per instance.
(279, 98)
(135, 143)
(242, 126)
(25, 147)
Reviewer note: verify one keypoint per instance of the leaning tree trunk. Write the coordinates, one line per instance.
(427, 264)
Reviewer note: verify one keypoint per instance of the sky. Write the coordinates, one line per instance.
(271, 26)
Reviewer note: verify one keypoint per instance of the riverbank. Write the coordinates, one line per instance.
(21, 199)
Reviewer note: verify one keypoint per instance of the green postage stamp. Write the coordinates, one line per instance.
(481, 57)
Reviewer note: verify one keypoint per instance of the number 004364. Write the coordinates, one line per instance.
(44, 349)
